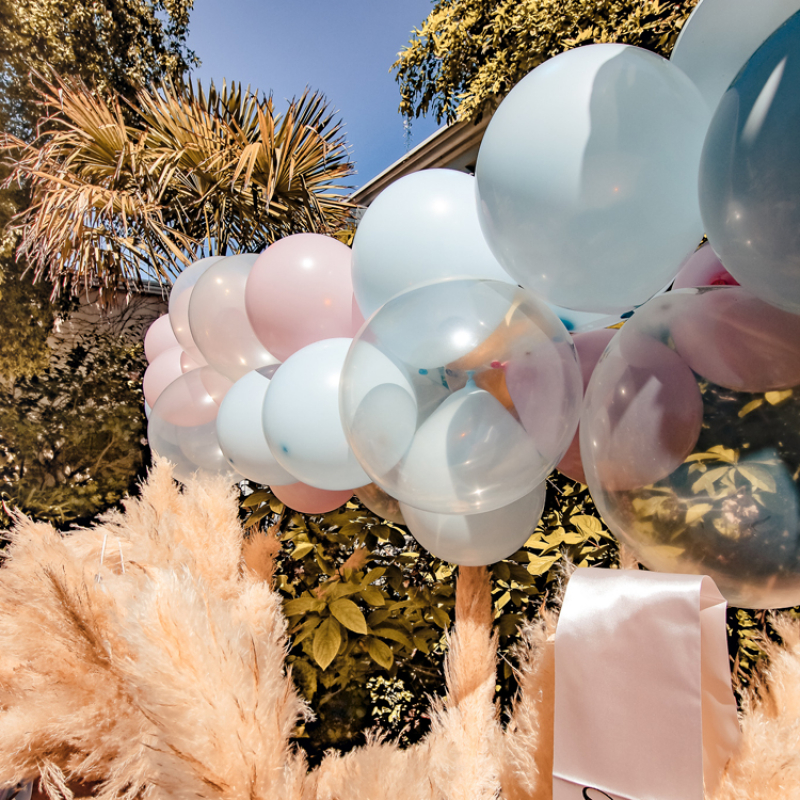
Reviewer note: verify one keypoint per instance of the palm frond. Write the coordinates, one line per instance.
(115, 202)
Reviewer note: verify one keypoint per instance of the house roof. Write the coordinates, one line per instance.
(453, 146)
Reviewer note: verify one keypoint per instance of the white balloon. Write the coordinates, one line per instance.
(422, 228)
(241, 432)
(450, 468)
(720, 36)
(179, 298)
(219, 322)
(301, 418)
(587, 177)
(477, 539)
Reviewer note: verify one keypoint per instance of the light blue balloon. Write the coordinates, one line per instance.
(587, 177)
(750, 172)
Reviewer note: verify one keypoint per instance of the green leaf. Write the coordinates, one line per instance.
(696, 512)
(373, 596)
(393, 635)
(302, 605)
(586, 524)
(759, 477)
(422, 644)
(540, 564)
(380, 653)
(440, 617)
(326, 642)
(306, 629)
(373, 575)
(302, 550)
(349, 614)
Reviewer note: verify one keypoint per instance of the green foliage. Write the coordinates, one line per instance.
(112, 46)
(368, 608)
(468, 54)
(118, 196)
(72, 435)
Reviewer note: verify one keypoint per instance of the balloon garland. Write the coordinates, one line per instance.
(464, 386)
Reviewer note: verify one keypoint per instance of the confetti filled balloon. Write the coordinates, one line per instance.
(460, 396)
(699, 476)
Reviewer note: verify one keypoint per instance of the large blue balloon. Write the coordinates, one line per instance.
(750, 172)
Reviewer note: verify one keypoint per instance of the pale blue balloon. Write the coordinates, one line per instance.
(587, 177)
(750, 172)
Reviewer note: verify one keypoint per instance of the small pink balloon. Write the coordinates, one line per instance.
(161, 373)
(300, 292)
(308, 500)
(192, 399)
(590, 347)
(190, 362)
(651, 417)
(733, 339)
(159, 338)
(703, 268)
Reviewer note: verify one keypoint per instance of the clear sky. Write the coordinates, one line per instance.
(341, 47)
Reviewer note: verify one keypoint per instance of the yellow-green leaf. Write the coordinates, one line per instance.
(440, 617)
(327, 639)
(697, 512)
(349, 614)
(302, 605)
(586, 524)
(380, 653)
(373, 595)
(540, 564)
(302, 550)
(393, 635)
(760, 477)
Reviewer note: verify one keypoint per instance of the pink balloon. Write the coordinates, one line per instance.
(218, 319)
(193, 361)
(544, 385)
(300, 292)
(590, 347)
(192, 399)
(308, 500)
(651, 417)
(737, 341)
(159, 338)
(703, 268)
(161, 373)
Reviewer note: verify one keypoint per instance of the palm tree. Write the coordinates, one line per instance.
(126, 192)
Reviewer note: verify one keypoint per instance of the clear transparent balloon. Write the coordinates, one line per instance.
(459, 397)
(749, 180)
(690, 439)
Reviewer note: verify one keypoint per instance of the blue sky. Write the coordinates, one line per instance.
(341, 47)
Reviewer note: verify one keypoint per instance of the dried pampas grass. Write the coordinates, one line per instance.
(145, 658)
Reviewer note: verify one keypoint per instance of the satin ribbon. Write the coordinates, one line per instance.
(644, 708)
